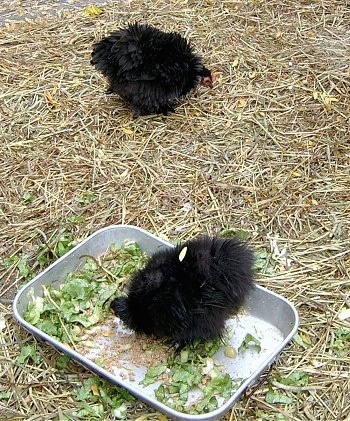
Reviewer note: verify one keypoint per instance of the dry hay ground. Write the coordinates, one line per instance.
(267, 151)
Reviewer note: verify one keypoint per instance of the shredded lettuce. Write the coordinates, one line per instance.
(193, 369)
(83, 298)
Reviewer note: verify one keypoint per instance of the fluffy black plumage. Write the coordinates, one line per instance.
(188, 292)
(149, 68)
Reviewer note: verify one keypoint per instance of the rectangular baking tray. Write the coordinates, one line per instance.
(267, 315)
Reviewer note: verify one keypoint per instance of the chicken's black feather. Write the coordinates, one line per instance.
(189, 299)
(147, 67)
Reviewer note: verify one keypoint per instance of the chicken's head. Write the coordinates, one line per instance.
(208, 80)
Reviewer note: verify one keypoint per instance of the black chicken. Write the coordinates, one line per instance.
(186, 293)
(149, 68)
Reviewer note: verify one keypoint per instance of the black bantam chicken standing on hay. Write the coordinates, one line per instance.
(187, 293)
(149, 68)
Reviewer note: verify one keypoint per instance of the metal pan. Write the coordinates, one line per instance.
(268, 316)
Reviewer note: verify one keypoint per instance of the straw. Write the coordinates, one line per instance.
(266, 151)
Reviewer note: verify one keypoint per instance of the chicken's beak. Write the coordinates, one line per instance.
(212, 79)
